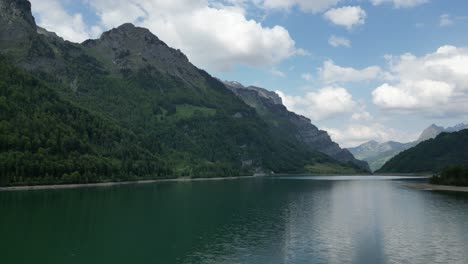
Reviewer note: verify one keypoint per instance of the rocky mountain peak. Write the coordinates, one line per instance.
(132, 48)
(17, 9)
(16, 20)
(431, 132)
(272, 97)
(128, 31)
(45, 32)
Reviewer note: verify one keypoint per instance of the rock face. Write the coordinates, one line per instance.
(16, 23)
(433, 131)
(129, 47)
(269, 105)
(273, 97)
(430, 132)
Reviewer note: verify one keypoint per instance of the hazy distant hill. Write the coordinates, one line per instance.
(432, 155)
(377, 154)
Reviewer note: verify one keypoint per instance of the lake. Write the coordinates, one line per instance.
(260, 220)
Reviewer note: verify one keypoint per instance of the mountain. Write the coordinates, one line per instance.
(377, 154)
(45, 139)
(432, 155)
(288, 124)
(431, 132)
(165, 117)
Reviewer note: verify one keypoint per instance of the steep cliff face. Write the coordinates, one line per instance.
(269, 105)
(16, 21)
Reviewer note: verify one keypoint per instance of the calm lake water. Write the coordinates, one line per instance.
(261, 220)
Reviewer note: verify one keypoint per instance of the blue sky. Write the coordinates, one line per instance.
(363, 69)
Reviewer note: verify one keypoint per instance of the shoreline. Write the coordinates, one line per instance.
(108, 184)
(433, 187)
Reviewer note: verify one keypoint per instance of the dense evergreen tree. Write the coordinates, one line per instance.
(453, 175)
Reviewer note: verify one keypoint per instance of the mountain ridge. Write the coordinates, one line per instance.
(187, 119)
(431, 156)
(299, 126)
(377, 154)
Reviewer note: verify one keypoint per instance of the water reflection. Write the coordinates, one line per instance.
(279, 220)
(341, 221)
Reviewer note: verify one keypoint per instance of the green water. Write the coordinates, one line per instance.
(262, 220)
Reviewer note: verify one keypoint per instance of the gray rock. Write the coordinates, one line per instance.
(133, 48)
(16, 23)
(269, 105)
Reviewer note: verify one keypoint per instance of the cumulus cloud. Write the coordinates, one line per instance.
(51, 14)
(325, 103)
(332, 73)
(217, 37)
(400, 3)
(336, 42)
(435, 85)
(305, 5)
(347, 16)
(214, 35)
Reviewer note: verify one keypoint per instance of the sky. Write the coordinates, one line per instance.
(360, 69)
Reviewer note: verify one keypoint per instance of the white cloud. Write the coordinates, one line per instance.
(412, 94)
(51, 15)
(336, 42)
(400, 3)
(325, 103)
(355, 134)
(307, 76)
(313, 6)
(347, 16)
(332, 73)
(277, 73)
(445, 20)
(362, 116)
(213, 35)
(433, 85)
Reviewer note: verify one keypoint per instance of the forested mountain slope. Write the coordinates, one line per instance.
(167, 112)
(432, 155)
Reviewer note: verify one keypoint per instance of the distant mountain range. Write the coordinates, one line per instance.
(431, 156)
(127, 106)
(377, 154)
